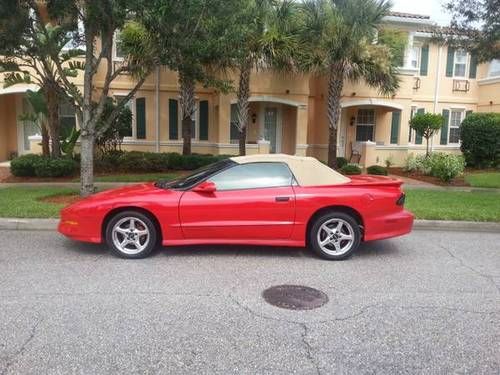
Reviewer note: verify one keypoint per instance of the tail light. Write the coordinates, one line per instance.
(401, 200)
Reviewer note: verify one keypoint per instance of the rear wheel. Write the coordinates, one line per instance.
(131, 234)
(335, 235)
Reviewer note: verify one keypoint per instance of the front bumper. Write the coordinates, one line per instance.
(80, 228)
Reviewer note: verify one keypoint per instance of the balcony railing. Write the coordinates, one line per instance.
(461, 85)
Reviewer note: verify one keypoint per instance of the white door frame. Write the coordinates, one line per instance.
(279, 125)
(341, 135)
(20, 126)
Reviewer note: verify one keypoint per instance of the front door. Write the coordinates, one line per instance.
(271, 129)
(252, 201)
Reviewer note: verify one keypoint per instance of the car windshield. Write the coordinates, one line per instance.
(196, 177)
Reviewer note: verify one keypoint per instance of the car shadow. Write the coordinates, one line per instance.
(366, 250)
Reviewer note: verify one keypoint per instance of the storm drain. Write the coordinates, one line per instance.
(295, 297)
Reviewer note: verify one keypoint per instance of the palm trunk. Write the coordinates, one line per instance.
(335, 85)
(243, 106)
(52, 100)
(45, 141)
(187, 85)
(87, 165)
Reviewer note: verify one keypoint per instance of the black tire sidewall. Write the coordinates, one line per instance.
(144, 218)
(328, 216)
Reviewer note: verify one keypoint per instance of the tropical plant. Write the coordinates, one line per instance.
(426, 125)
(480, 139)
(112, 138)
(197, 39)
(268, 41)
(38, 115)
(338, 40)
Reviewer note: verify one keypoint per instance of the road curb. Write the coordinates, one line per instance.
(463, 226)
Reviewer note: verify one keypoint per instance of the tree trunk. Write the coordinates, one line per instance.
(52, 100)
(243, 106)
(45, 141)
(335, 85)
(87, 165)
(187, 101)
(427, 147)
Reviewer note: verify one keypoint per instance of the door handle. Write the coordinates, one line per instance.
(282, 199)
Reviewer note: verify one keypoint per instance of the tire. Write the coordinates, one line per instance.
(336, 247)
(125, 240)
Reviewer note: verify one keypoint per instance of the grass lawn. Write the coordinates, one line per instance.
(24, 202)
(485, 180)
(146, 177)
(453, 205)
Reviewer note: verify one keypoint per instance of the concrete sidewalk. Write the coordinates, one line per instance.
(437, 225)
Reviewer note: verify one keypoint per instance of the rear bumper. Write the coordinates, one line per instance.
(389, 226)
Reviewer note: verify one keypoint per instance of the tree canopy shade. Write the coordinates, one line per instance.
(196, 38)
(337, 39)
(476, 26)
(426, 125)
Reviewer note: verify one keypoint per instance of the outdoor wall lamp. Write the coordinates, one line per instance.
(254, 117)
(353, 120)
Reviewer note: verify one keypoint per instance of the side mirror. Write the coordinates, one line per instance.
(206, 187)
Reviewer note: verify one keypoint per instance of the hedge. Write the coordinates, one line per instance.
(136, 161)
(377, 169)
(350, 169)
(480, 139)
(32, 165)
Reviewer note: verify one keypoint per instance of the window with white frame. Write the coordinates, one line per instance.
(233, 130)
(415, 56)
(365, 128)
(460, 63)
(195, 122)
(411, 132)
(494, 69)
(456, 117)
(118, 54)
(67, 119)
(131, 132)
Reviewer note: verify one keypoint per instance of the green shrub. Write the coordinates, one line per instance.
(46, 167)
(419, 163)
(480, 139)
(350, 169)
(446, 166)
(24, 166)
(341, 162)
(377, 169)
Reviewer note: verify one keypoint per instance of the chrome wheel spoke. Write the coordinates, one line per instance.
(130, 235)
(335, 236)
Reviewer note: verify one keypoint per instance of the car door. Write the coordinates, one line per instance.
(251, 201)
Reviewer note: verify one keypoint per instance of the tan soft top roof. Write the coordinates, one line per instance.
(307, 170)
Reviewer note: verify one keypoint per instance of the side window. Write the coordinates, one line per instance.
(253, 176)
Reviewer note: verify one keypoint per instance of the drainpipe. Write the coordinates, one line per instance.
(157, 107)
(436, 88)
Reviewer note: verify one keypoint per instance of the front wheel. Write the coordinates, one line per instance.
(131, 234)
(335, 236)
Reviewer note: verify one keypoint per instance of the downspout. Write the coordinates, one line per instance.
(436, 88)
(157, 107)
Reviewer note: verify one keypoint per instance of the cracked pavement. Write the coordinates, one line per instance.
(424, 303)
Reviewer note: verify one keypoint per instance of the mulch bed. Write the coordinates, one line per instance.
(458, 181)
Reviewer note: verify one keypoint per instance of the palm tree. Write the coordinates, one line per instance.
(268, 41)
(338, 41)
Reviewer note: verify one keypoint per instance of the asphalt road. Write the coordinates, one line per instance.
(425, 303)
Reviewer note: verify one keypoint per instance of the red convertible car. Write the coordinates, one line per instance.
(276, 200)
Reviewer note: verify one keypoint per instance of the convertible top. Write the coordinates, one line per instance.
(307, 170)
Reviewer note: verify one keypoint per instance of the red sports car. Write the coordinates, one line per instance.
(277, 200)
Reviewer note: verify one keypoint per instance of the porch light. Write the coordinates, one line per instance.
(353, 120)
(254, 117)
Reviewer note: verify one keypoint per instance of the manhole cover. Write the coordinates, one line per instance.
(295, 297)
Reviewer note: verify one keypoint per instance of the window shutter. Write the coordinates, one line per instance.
(450, 61)
(173, 119)
(203, 120)
(424, 60)
(444, 129)
(418, 138)
(140, 111)
(396, 120)
(473, 66)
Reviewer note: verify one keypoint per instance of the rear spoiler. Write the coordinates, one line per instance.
(371, 180)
